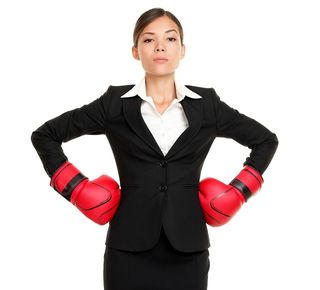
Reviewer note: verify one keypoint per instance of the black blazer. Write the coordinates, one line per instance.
(156, 189)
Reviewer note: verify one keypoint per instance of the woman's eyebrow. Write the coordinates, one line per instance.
(167, 31)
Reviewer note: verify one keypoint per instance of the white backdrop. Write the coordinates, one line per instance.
(262, 58)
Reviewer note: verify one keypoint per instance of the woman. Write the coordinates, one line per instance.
(160, 132)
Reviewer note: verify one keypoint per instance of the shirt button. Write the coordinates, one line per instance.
(163, 187)
(163, 163)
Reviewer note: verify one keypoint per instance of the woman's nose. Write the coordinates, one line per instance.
(159, 48)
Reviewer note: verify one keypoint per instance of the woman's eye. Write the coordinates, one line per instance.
(170, 39)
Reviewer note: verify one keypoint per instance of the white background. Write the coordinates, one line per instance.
(262, 58)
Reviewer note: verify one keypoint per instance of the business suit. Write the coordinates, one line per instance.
(157, 190)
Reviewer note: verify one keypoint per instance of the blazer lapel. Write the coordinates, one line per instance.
(193, 111)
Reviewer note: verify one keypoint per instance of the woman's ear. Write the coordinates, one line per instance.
(183, 51)
(135, 53)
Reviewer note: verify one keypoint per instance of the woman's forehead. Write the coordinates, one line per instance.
(161, 24)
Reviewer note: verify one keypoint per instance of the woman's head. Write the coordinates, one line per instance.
(158, 34)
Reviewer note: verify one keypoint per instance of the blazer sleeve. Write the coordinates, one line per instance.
(230, 123)
(47, 139)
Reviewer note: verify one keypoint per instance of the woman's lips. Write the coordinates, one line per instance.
(160, 60)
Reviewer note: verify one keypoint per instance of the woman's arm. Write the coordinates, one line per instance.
(246, 131)
(219, 201)
(47, 139)
(97, 199)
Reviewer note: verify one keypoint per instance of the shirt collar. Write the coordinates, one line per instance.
(140, 90)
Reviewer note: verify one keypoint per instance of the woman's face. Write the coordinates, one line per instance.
(160, 39)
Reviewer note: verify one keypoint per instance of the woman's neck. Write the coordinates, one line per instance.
(161, 88)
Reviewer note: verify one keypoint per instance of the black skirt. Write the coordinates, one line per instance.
(160, 268)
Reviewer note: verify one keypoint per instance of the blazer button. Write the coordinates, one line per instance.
(163, 163)
(163, 187)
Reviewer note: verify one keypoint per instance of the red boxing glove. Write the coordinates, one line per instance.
(97, 199)
(220, 202)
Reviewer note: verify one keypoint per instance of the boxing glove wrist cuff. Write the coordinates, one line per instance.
(66, 178)
(248, 182)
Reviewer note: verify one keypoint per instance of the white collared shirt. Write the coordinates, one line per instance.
(168, 126)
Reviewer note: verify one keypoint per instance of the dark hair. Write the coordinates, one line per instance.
(150, 15)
